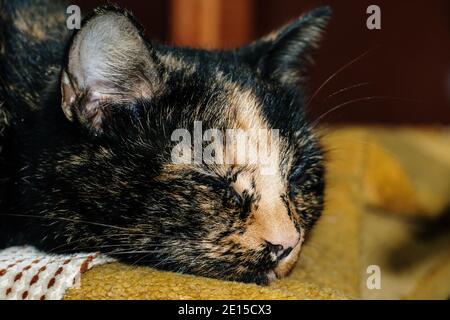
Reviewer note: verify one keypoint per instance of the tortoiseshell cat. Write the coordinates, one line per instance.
(86, 125)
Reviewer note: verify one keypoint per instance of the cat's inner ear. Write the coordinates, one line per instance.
(286, 54)
(109, 63)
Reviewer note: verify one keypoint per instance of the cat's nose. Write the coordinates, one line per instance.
(284, 249)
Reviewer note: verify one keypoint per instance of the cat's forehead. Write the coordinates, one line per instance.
(214, 66)
(208, 86)
(176, 62)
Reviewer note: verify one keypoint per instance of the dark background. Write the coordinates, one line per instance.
(405, 71)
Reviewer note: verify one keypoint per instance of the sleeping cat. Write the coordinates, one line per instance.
(86, 134)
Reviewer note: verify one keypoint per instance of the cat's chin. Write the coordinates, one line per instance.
(285, 266)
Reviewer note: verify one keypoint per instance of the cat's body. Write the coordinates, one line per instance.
(87, 157)
(31, 42)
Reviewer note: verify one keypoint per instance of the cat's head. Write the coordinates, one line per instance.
(142, 167)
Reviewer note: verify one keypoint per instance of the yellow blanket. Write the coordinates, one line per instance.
(387, 192)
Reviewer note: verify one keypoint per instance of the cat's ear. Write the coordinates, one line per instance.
(109, 63)
(285, 55)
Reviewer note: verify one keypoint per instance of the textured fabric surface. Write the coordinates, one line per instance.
(119, 281)
(27, 274)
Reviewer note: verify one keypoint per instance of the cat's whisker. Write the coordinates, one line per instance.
(358, 85)
(335, 74)
(346, 103)
(125, 241)
(163, 261)
(77, 256)
(134, 245)
(125, 237)
(140, 259)
(132, 252)
(97, 248)
(194, 260)
(70, 220)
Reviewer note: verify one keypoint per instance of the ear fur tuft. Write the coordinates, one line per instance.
(109, 62)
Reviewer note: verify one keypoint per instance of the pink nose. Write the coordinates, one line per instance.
(282, 246)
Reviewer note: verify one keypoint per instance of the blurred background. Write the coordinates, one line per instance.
(404, 68)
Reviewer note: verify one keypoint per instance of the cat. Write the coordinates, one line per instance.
(87, 143)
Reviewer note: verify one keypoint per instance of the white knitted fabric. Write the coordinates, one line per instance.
(28, 274)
